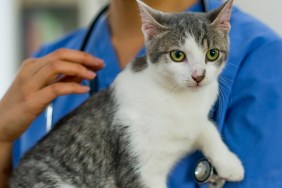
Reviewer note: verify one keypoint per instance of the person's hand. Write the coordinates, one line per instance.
(38, 82)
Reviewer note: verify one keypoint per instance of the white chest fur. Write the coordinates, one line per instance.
(163, 124)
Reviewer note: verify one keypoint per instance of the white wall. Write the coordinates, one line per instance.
(8, 43)
(269, 11)
(88, 9)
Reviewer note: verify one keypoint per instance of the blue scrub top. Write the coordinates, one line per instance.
(248, 112)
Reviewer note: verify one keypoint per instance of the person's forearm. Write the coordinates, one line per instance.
(5, 163)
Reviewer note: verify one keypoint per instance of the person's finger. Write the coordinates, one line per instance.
(28, 68)
(58, 70)
(49, 93)
(31, 66)
(76, 57)
(71, 79)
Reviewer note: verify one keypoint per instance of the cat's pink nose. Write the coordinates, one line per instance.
(198, 75)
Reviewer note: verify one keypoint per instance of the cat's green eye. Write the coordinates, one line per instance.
(212, 55)
(177, 55)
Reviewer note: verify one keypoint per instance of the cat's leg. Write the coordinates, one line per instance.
(226, 163)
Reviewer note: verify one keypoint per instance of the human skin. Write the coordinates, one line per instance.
(36, 83)
(34, 87)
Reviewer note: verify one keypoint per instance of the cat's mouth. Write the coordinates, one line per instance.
(196, 86)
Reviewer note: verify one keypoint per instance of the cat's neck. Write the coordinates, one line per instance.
(126, 85)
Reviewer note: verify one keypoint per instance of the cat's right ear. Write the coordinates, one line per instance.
(150, 26)
(220, 17)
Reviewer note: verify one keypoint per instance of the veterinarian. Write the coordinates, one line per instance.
(248, 113)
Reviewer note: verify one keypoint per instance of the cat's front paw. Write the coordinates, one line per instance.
(229, 167)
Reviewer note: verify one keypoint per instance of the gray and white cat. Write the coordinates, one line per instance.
(156, 112)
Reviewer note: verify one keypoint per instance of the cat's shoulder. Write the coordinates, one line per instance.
(102, 98)
(139, 64)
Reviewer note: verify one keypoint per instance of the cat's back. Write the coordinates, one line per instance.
(76, 151)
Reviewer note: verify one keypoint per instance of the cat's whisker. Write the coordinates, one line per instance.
(173, 85)
(224, 83)
(221, 100)
(225, 78)
(225, 97)
(236, 66)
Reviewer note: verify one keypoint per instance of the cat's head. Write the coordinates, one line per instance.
(187, 50)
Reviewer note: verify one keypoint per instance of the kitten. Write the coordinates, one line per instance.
(156, 112)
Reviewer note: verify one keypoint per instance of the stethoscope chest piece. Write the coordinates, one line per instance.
(205, 173)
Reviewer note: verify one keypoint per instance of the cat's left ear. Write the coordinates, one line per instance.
(150, 26)
(220, 18)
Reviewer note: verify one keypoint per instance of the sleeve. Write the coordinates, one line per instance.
(253, 122)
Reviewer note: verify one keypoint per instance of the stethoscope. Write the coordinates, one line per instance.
(204, 171)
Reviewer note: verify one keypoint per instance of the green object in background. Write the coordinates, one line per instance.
(44, 25)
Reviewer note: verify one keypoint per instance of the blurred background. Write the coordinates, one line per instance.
(27, 24)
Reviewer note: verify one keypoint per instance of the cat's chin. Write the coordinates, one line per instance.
(196, 87)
